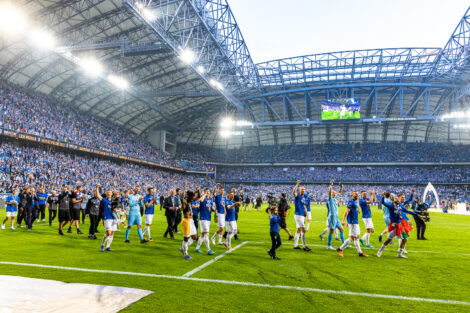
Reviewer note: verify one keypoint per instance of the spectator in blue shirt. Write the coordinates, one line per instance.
(274, 221)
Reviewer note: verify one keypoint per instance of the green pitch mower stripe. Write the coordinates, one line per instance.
(228, 282)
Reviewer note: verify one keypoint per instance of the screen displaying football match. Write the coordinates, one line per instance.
(341, 109)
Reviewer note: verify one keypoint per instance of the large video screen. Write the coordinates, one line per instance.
(341, 109)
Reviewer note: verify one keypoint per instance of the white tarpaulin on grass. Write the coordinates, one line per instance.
(22, 294)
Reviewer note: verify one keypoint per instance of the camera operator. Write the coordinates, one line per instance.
(420, 209)
(283, 206)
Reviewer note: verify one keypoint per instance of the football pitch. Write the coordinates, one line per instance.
(335, 115)
(434, 279)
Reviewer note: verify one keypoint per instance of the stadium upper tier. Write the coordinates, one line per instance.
(332, 153)
(408, 174)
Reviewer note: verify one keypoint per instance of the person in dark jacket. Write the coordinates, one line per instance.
(93, 211)
(283, 206)
(170, 205)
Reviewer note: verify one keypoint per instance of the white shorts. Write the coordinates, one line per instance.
(393, 235)
(205, 226)
(354, 230)
(110, 225)
(148, 219)
(368, 223)
(309, 215)
(221, 220)
(192, 228)
(12, 214)
(299, 221)
(231, 226)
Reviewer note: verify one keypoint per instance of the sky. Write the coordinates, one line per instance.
(275, 29)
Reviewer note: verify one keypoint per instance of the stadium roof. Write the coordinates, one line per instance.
(188, 66)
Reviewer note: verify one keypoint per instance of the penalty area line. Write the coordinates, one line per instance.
(197, 269)
(248, 284)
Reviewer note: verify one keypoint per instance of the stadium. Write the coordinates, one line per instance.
(149, 164)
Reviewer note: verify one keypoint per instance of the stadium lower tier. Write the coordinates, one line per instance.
(455, 193)
(417, 174)
(23, 166)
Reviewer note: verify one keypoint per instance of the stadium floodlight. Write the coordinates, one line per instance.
(243, 123)
(91, 67)
(216, 84)
(42, 39)
(462, 126)
(12, 20)
(228, 133)
(118, 81)
(456, 114)
(227, 122)
(187, 56)
(150, 15)
(201, 69)
(225, 133)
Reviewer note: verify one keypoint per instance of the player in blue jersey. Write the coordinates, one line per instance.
(219, 200)
(406, 220)
(308, 200)
(365, 203)
(133, 216)
(333, 218)
(230, 220)
(205, 211)
(396, 227)
(149, 201)
(12, 202)
(352, 216)
(108, 216)
(41, 197)
(274, 221)
(300, 214)
(386, 197)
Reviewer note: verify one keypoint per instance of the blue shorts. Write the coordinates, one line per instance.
(134, 219)
(334, 223)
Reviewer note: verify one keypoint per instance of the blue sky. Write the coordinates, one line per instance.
(276, 29)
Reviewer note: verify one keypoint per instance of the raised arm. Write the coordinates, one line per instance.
(215, 188)
(340, 189)
(411, 197)
(294, 191)
(372, 196)
(97, 191)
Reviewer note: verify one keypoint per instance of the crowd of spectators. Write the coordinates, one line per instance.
(331, 152)
(421, 174)
(320, 191)
(24, 166)
(36, 114)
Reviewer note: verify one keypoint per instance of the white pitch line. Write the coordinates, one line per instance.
(197, 269)
(229, 282)
(365, 248)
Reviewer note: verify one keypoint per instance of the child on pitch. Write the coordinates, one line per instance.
(189, 229)
(274, 220)
(12, 208)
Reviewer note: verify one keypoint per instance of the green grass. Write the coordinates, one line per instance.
(440, 275)
(335, 115)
